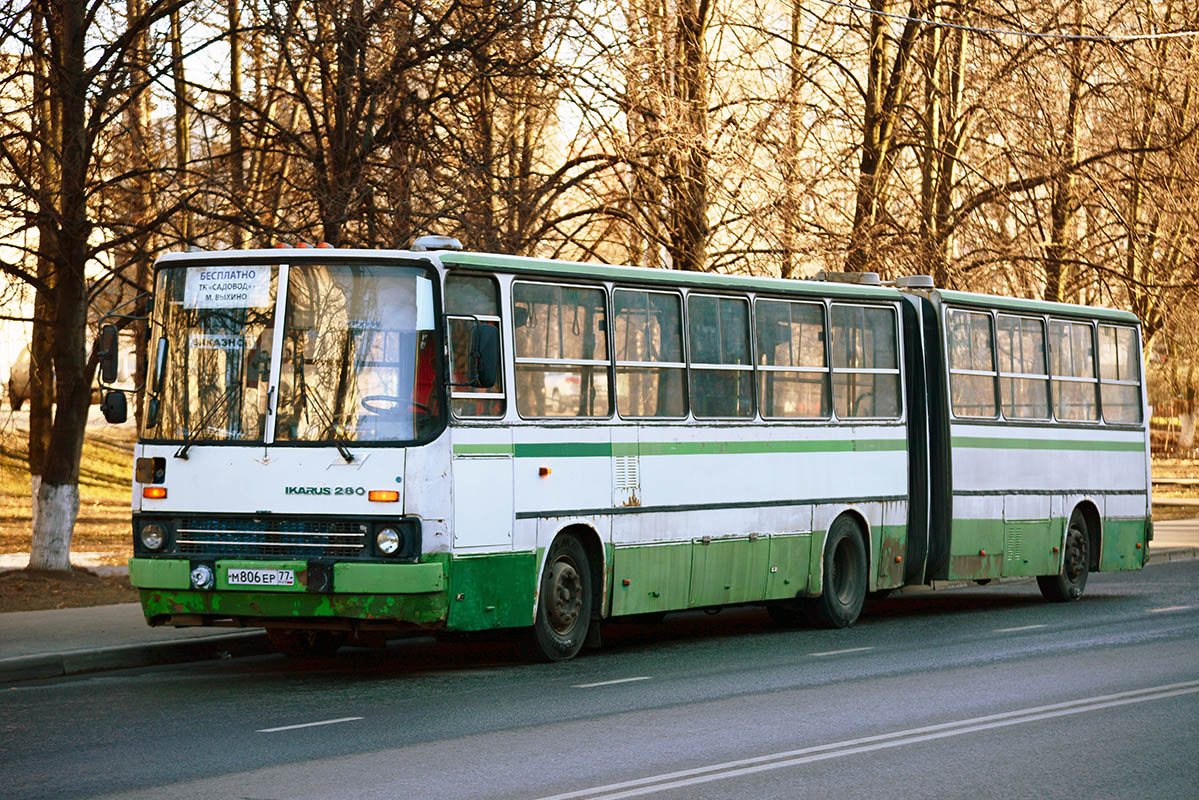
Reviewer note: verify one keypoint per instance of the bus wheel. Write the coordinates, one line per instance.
(840, 603)
(305, 642)
(564, 610)
(1068, 584)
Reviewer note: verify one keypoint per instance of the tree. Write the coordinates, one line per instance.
(76, 57)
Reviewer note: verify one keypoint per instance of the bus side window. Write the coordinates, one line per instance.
(865, 357)
(648, 336)
(562, 363)
(971, 363)
(1120, 374)
(721, 366)
(1072, 364)
(471, 300)
(792, 369)
(1023, 372)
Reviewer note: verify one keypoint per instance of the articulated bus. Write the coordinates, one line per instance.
(344, 445)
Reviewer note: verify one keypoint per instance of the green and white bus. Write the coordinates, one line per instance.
(352, 444)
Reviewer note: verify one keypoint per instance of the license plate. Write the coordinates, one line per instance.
(261, 577)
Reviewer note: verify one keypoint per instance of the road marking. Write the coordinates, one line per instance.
(791, 758)
(840, 652)
(608, 683)
(1021, 628)
(1166, 608)
(308, 725)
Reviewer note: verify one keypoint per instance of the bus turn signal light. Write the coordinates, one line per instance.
(154, 492)
(383, 496)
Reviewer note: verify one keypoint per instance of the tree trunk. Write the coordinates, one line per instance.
(56, 502)
(1186, 430)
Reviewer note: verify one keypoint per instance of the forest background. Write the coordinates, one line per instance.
(1019, 147)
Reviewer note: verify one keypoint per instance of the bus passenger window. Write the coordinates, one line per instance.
(792, 369)
(1023, 373)
(471, 300)
(648, 337)
(1072, 364)
(971, 363)
(721, 368)
(1119, 372)
(865, 362)
(561, 343)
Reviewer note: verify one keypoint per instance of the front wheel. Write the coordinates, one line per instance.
(839, 605)
(564, 607)
(1068, 584)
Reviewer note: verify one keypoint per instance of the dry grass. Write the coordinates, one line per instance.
(105, 480)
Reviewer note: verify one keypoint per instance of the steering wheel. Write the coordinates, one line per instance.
(390, 404)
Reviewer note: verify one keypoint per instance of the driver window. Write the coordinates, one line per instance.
(471, 300)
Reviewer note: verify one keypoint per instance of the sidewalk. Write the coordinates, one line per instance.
(48, 644)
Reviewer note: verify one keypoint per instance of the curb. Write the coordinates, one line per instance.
(74, 662)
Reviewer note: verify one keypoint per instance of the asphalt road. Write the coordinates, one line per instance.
(985, 692)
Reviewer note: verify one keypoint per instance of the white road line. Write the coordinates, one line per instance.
(308, 725)
(840, 652)
(608, 683)
(1166, 608)
(1021, 628)
(791, 758)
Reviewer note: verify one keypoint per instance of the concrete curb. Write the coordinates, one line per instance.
(74, 662)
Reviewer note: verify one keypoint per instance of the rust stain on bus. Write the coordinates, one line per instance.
(976, 567)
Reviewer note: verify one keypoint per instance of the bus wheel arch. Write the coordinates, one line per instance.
(844, 574)
(1094, 525)
(566, 595)
(1071, 579)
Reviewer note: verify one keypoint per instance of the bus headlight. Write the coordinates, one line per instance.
(387, 540)
(153, 535)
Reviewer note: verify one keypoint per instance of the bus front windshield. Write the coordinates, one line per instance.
(357, 359)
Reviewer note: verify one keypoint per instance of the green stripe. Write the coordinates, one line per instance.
(755, 448)
(1047, 444)
(606, 449)
(482, 449)
(1035, 306)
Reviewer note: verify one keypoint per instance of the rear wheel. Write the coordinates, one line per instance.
(564, 607)
(1068, 584)
(840, 603)
(305, 642)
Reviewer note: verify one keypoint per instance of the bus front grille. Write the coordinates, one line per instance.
(296, 538)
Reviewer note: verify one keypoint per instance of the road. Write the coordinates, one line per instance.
(981, 692)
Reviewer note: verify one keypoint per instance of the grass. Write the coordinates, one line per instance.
(105, 481)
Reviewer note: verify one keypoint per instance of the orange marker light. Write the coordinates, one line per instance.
(898, 559)
(383, 496)
(543, 471)
(154, 492)
(982, 552)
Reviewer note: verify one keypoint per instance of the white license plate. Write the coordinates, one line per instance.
(261, 577)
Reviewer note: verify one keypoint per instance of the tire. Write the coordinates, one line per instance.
(306, 642)
(839, 605)
(564, 607)
(1068, 584)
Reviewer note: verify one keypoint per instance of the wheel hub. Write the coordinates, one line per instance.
(566, 597)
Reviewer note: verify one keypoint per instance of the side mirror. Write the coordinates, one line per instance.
(484, 355)
(160, 365)
(107, 345)
(114, 408)
(152, 407)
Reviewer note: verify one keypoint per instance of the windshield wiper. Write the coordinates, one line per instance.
(326, 419)
(204, 420)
